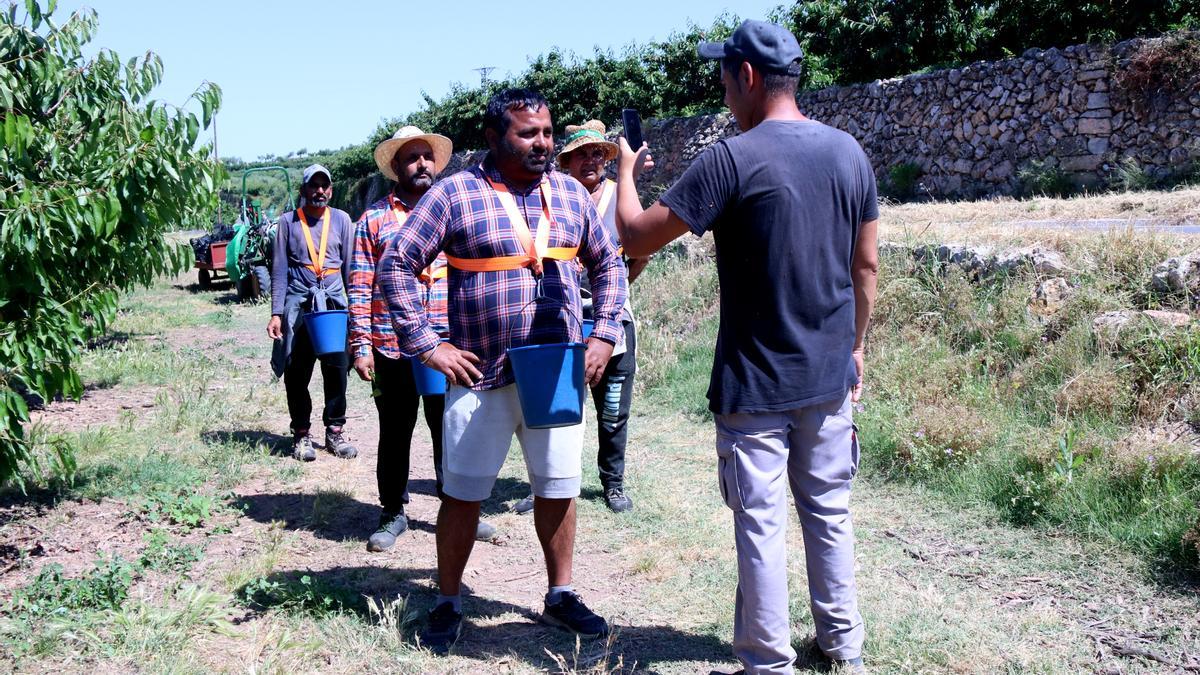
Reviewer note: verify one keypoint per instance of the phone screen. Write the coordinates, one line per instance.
(632, 122)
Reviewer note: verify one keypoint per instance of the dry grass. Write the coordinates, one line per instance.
(996, 216)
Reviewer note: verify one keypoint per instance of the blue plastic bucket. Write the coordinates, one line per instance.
(327, 330)
(588, 324)
(549, 383)
(429, 382)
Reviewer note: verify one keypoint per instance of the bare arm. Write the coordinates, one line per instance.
(636, 265)
(641, 232)
(864, 273)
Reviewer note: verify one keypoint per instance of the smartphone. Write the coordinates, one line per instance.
(632, 122)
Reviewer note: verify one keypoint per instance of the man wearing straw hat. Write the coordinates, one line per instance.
(793, 210)
(412, 160)
(310, 269)
(584, 156)
(511, 230)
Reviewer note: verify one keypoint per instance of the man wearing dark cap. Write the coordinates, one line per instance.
(792, 207)
(310, 268)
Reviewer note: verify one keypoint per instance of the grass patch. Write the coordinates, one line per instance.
(974, 395)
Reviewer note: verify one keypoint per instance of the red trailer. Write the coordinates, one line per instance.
(209, 269)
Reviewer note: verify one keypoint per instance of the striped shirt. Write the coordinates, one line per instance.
(492, 311)
(370, 323)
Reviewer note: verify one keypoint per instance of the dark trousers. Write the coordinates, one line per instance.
(397, 403)
(612, 397)
(298, 374)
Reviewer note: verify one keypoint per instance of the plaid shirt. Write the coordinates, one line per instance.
(492, 311)
(370, 324)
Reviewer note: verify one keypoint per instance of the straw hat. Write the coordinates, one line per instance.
(385, 151)
(590, 132)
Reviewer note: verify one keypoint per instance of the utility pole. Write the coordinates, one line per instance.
(484, 71)
(217, 159)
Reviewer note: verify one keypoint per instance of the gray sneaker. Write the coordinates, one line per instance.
(524, 506)
(302, 447)
(484, 531)
(335, 442)
(391, 525)
(617, 500)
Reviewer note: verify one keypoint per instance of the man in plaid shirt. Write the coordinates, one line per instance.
(412, 159)
(475, 217)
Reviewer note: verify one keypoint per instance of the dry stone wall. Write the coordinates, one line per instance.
(972, 129)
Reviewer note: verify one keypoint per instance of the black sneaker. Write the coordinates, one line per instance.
(335, 442)
(524, 506)
(445, 625)
(617, 500)
(302, 447)
(572, 614)
(391, 525)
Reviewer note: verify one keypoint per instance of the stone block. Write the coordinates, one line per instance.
(1097, 146)
(1082, 163)
(1097, 100)
(1095, 126)
(1088, 75)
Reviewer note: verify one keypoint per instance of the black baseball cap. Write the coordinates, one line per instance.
(768, 46)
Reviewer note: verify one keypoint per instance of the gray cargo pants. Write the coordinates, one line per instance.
(816, 448)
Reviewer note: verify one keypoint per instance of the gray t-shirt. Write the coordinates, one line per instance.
(290, 259)
(784, 202)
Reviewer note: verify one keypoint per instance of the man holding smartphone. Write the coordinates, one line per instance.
(797, 261)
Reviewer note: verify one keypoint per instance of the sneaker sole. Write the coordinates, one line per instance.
(552, 621)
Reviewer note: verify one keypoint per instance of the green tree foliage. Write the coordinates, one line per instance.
(850, 41)
(92, 174)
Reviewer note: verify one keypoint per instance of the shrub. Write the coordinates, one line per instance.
(1157, 70)
(1130, 176)
(1040, 178)
(104, 587)
(903, 180)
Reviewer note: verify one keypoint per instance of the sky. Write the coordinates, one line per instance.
(319, 75)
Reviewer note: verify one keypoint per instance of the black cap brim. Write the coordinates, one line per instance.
(711, 50)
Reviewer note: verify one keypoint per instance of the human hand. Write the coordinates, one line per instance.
(457, 365)
(275, 327)
(856, 393)
(630, 163)
(595, 360)
(365, 367)
(644, 163)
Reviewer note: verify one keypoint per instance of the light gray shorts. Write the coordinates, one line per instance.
(477, 431)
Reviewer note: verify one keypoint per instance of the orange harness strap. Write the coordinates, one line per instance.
(535, 245)
(428, 275)
(318, 260)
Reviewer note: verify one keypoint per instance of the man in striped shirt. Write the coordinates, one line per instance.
(412, 159)
(483, 219)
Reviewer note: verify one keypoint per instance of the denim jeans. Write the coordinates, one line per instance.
(612, 397)
(397, 404)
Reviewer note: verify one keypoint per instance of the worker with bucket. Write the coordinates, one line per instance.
(584, 156)
(310, 269)
(412, 159)
(511, 230)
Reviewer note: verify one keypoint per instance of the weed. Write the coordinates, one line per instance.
(163, 556)
(903, 181)
(305, 595)
(1068, 461)
(51, 593)
(186, 509)
(1157, 70)
(1129, 176)
(597, 660)
(394, 617)
(1040, 178)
